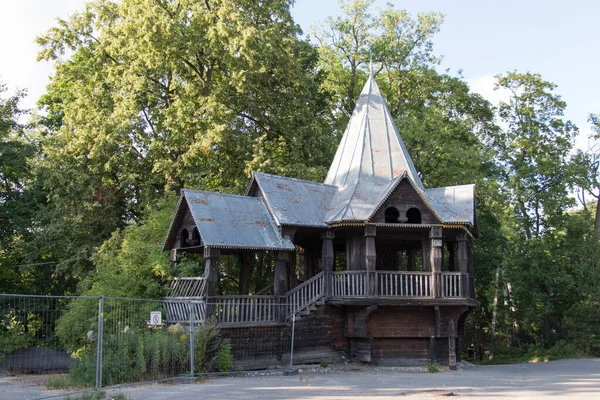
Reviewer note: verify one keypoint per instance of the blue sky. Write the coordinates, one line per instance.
(558, 39)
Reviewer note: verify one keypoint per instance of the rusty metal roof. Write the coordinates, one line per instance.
(294, 201)
(371, 149)
(230, 221)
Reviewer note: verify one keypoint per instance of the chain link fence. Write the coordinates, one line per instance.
(89, 343)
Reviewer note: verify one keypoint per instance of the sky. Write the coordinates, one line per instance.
(558, 39)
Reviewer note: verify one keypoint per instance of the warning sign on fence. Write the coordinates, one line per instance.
(155, 318)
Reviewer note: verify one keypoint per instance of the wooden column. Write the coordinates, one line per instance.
(327, 258)
(470, 270)
(355, 252)
(245, 272)
(452, 345)
(426, 249)
(211, 256)
(436, 257)
(370, 259)
(280, 284)
(292, 277)
(463, 262)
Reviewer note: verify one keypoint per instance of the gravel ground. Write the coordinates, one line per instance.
(565, 379)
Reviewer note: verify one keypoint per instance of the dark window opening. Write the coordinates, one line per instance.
(195, 238)
(391, 215)
(184, 238)
(413, 216)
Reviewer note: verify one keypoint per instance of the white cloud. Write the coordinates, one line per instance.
(484, 85)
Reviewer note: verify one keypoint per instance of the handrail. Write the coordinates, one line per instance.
(348, 283)
(305, 294)
(265, 290)
(404, 283)
(188, 287)
(242, 308)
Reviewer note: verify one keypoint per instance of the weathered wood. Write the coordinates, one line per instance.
(327, 258)
(211, 256)
(280, 284)
(436, 257)
(452, 345)
(370, 259)
(355, 252)
(245, 272)
(403, 198)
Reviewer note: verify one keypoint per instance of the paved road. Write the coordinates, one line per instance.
(566, 379)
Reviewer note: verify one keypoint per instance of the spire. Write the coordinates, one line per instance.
(371, 149)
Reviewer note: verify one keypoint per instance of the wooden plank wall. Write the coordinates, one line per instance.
(403, 198)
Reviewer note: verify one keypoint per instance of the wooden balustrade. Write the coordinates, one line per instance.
(452, 284)
(348, 283)
(245, 309)
(302, 296)
(177, 310)
(188, 287)
(403, 284)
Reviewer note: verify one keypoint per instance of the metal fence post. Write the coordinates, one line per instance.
(292, 344)
(191, 304)
(99, 343)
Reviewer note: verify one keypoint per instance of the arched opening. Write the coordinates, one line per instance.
(183, 238)
(413, 216)
(195, 238)
(391, 215)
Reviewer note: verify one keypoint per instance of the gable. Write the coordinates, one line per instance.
(403, 198)
(226, 221)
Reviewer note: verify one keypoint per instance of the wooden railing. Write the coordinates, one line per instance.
(177, 310)
(452, 284)
(348, 283)
(302, 296)
(403, 284)
(245, 309)
(188, 287)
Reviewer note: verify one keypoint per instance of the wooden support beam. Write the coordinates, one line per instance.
(452, 344)
(436, 257)
(211, 256)
(370, 258)
(463, 262)
(327, 258)
(280, 283)
(245, 272)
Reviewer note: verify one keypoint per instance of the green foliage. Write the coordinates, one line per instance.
(582, 326)
(433, 368)
(324, 364)
(17, 331)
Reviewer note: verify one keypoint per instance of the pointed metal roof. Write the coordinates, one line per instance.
(371, 149)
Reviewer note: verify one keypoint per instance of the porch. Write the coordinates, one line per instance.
(400, 288)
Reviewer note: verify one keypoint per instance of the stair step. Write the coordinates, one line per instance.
(305, 312)
(312, 307)
(320, 302)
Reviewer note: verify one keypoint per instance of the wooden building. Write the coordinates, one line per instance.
(378, 266)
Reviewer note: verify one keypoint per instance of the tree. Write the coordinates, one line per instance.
(534, 150)
(161, 95)
(16, 198)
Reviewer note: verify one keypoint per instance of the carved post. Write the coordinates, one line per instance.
(371, 259)
(327, 258)
(452, 345)
(463, 261)
(280, 281)
(211, 256)
(245, 272)
(436, 258)
(426, 249)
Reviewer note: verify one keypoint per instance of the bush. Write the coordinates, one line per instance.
(433, 368)
(152, 354)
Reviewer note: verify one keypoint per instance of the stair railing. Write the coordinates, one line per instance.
(305, 294)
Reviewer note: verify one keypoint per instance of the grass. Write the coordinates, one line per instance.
(96, 395)
(433, 368)
(559, 351)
